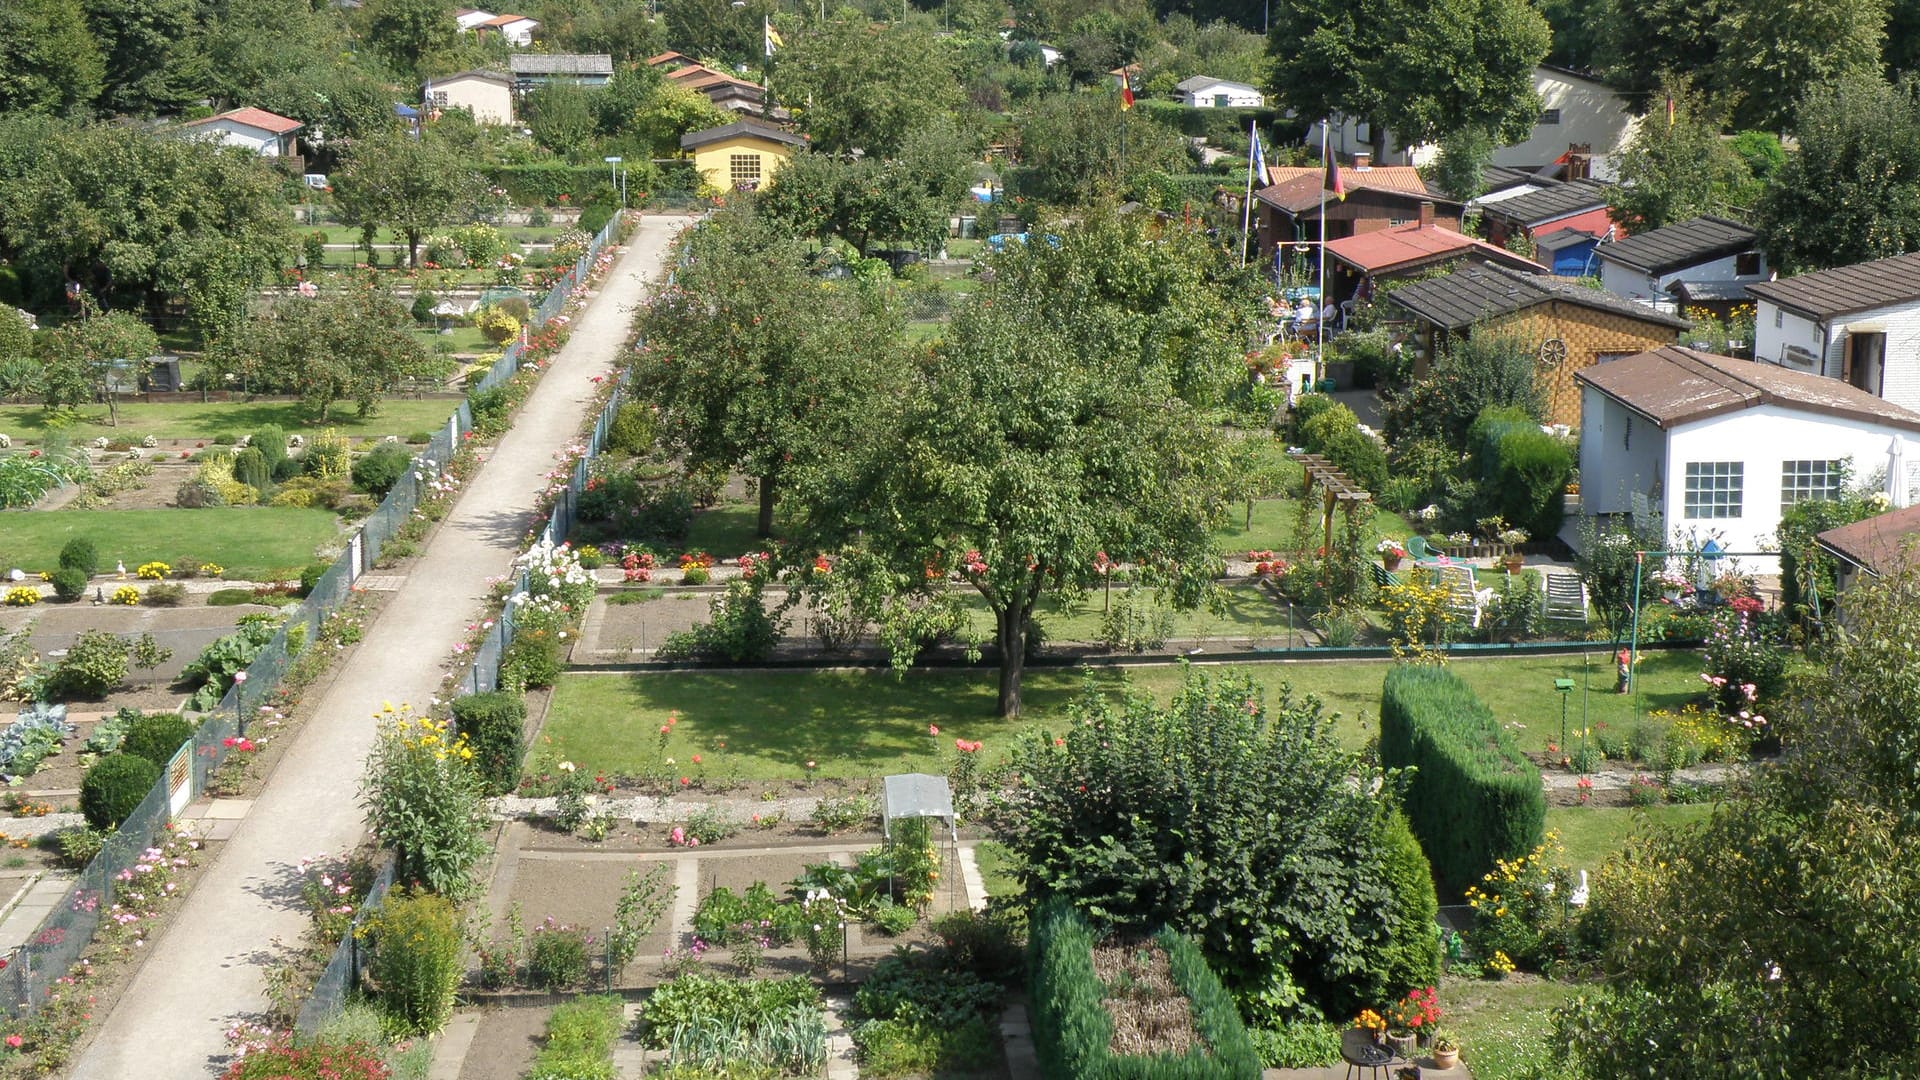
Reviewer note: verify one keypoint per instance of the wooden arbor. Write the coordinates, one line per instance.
(1336, 489)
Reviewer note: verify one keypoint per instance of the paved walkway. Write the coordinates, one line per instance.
(207, 971)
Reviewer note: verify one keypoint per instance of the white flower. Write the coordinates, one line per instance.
(566, 766)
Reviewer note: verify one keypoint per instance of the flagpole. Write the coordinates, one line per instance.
(1246, 204)
(1320, 324)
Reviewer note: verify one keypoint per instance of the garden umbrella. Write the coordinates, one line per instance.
(1897, 491)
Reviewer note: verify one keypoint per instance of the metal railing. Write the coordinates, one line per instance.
(31, 970)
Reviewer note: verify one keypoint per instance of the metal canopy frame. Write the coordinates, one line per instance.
(917, 795)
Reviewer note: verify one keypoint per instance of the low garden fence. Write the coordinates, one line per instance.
(342, 974)
(33, 970)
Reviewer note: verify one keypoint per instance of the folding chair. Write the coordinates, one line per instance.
(1465, 599)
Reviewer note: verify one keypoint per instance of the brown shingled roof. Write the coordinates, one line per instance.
(1844, 289)
(1673, 385)
(1471, 294)
(1876, 544)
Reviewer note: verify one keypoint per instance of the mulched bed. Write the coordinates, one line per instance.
(1150, 1014)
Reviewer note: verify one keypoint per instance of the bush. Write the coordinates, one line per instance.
(251, 469)
(991, 943)
(376, 472)
(632, 429)
(416, 965)
(114, 788)
(422, 307)
(69, 583)
(493, 725)
(271, 442)
(1072, 1027)
(532, 661)
(1298, 1044)
(95, 663)
(424, 801)
(739, 627)
(1475, 798)
(80, 554)
(1334, 433)
(1410, 955)
(310, 576)
(165, 594)
(557, 955)
(916, 987)
(497, 326)
(1525, 480)
(157, 737)
(490, 409)
(580, 1037)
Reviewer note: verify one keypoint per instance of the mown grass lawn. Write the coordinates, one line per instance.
(1504, 1026)
(252, 542)
(869, 723)
(1592, 833)
(198, 420)
(1250, 613)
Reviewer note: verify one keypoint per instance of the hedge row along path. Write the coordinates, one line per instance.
(207, 970)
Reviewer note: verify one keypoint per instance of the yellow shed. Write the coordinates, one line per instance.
(740, 156)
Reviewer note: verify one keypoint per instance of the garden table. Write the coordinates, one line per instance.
(1357, 1049)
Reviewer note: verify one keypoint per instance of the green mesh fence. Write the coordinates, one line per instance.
(35, 970)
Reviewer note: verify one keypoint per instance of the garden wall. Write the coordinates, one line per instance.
(31, 970)
(1474, 798)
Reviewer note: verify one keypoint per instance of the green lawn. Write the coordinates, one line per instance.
(996, 868)
(1591, 834)
(868, 723)
(1504, 1026)
(195, 420)
(463, 339)
(253, 542)
(1273, 523)
(725, 531)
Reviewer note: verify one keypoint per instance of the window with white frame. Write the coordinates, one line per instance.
(1714, 489)
(1809, 481)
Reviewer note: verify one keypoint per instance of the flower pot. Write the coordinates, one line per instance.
(1391, 562)
(1446, 1059)
(1401, 1043)
(1514, 563)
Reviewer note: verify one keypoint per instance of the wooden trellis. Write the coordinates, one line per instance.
(1336, 489)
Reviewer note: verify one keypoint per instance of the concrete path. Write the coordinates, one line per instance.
(207, 971)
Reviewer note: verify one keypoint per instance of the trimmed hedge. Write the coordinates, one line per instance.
(1072, 1029)
(1474, 799)
(493, 723)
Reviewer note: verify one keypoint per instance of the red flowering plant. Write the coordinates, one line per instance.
(1418, 1011)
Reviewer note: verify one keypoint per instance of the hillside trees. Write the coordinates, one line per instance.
(856, 86)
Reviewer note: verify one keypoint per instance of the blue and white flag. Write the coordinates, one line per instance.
(1257, 158)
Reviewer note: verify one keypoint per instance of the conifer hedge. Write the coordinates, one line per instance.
(1474, 798)
(1072, 1028)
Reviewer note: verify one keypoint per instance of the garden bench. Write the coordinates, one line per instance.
(1382, 577)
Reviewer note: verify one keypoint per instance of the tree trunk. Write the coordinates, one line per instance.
(1012, 635)
(1379, 140)
(764, 527)
(413, 249)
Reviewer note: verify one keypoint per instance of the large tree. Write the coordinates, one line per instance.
(89, 359)
(754, 363)
(1763, 943)
(870, 200)
(1079, 148)
(354, 345)
(406, 32)
(1420, 69)
(1672, 171)
(154, 61)
(49, 60)
(1033, 442)
(139, 217)
(1763, 68)
(1851, 190)
(412, 185)
(856, 86)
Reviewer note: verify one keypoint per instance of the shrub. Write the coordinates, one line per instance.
(1410, 954)
(95, 663)
(1475, 798)
(114, 788)
(580, 1037)
(490, 409)
(632, 429)
(1298, 1044)
(271, 442)
(69, 583)
(416, 965)
(834, 815)
(310, 576)
(493, 724)
(22, 596)
(165, 594)
(251, 469)
(531, 661)
(376, 472)
(916, 987)
(425, 801)
(156, 737)
(1334, 433)
(422, 307)
(80, 554)
(739, 627)
(327, 456)
(1524, 479)
(557, 955)
(496, 325)
(1072, 1028)
(991, 943)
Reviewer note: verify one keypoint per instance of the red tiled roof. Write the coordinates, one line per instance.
(506, 20)
(1385, 249)
(256, 118)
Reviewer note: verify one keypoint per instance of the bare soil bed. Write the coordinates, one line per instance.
(508, 1038)
(1150, 1014)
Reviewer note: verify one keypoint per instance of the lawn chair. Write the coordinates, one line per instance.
(1465, 598)
(1417, 548)
(1563, 597)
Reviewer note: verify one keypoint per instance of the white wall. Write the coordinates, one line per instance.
(1626, 281)
(1237, 97)
(488, 101)
(1762, 438)
(1620, 453)
(245, 136)
(1589, 113)
(1775, 328)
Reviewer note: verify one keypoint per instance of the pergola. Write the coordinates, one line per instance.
(1336, 489)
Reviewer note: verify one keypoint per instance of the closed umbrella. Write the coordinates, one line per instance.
(1897, 491)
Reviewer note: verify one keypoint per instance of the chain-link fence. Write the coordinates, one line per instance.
(330, 992)
(32, 971)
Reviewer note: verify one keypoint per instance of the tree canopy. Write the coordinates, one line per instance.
(856, 86)
(1851, 191)
(1672, 172)
(868, 200)
(411, 185)
(352, 345)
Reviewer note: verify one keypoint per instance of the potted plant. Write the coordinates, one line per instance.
(1513, 538)
(1672, 583)
(1418, 1011)
(1373, 1024)
(1446, 1050)
(1390, 553)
